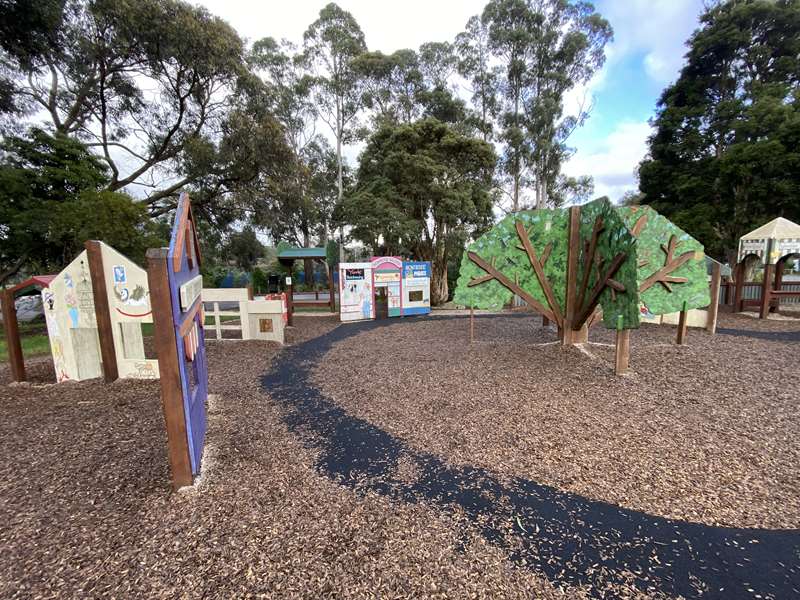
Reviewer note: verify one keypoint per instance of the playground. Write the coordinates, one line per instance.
(507, 467)
(206, 442)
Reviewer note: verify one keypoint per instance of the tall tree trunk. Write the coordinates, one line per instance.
(439, 287)
(308, 264)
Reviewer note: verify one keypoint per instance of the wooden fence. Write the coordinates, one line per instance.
(227, 297)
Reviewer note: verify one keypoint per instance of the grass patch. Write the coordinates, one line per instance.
(32, 345)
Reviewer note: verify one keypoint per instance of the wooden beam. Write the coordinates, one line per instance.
(573, 250)
(639, 225)
(766, 290)
(778, 283)
(513, 287)
(102, 311)
(13, 342)
(588, 259)
(332, 295)
(738, 287)
(601, 283)
(537, 268)
(682, 325)
(668, 268)
(169, 367)
(480, 280)
(622, 351)
(713, 308)
(290, 304)
(546, 253)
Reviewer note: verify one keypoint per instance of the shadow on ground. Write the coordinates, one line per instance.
(570, 539)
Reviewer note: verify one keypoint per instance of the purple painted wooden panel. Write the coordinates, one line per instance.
(194, 373)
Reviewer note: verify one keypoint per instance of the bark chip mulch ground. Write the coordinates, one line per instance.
(86, 510)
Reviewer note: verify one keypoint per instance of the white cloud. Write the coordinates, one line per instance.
(613, 163)
(658, 29)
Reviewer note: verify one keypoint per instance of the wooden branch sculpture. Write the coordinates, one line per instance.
(493, 273)
(663, 276)
(591, 260)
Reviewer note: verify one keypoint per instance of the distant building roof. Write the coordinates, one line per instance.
(290, 253)
(40, 280)
(777, 229)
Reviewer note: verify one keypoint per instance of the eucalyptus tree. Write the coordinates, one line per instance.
(421, 187)
(392, 84)
(140, 82)
(332, 43)
(544, 48)
(475, 65)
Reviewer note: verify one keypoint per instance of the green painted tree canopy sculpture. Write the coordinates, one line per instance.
(671, 264)
(565, 263)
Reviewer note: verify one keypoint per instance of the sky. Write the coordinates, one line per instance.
(645, 56)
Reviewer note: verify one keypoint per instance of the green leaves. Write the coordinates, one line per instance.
(657, 267)
(724, 156)
(418, 186)
(624, 255)
(50, 204)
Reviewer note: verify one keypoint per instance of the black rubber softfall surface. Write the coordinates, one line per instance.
(567, 538)
(770, 336)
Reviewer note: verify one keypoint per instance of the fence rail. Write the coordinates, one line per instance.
(751, 293)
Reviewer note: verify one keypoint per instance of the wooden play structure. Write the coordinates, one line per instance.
(8, 298)
(176, 294)
(255, 319)
(95, 309)
(773, 245)
(384, 287)
(286, 256)
(588, 264)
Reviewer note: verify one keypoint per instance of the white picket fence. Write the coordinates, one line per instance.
(219, 302)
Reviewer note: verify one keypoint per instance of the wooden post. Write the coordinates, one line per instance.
(766, 290)
(332, 297)
(713, 308)
(568, 336)
(249, 291)
(623, 348)
(471, 324)
(11, 328)
(738, 287)
(779, 268)
(290, 303)
(545, 321)
(682, 326)
(169, 374)
(102, 311)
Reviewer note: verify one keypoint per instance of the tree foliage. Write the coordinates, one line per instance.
(244, 249)
(52, 200)
(150, 86)
(725, 153)
(545, 48)
(419, 185)
(623, 256)
(527, 254)
(332, 43)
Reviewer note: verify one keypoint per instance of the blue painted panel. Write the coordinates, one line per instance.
(194, 372)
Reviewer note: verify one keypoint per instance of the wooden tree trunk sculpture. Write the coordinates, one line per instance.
(585, 264)
(573, 272)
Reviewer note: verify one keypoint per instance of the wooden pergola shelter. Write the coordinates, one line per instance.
(11, 325)
(287, 256)
(773, 244)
